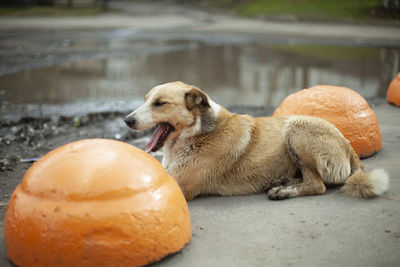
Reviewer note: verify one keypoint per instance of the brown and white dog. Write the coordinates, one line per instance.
(209, 150)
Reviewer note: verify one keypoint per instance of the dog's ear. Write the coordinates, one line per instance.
(196, 98)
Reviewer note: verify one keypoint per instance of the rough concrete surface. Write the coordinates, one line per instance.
(327, 230)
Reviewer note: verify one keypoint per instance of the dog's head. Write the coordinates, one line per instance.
(176, 108)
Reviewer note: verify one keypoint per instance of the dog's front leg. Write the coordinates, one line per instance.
(189, 195)
(190, 186)
(189, 191)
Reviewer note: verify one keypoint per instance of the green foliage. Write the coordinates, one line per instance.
(359, 10)
(342, 53)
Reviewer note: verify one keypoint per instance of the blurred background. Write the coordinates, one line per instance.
(73, 69)
(241, 52)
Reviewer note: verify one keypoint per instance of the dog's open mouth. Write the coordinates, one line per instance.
(160, 134)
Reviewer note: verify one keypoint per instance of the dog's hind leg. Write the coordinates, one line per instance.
(312, 184)
(317, 149)
(283, 181)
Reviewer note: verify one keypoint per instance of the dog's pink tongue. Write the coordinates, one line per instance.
(158, 133)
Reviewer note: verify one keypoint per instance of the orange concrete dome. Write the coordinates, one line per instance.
(344, 108)
(95, 202)
(393, 92)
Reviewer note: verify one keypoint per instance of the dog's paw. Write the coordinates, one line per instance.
(276, 183)
(275, 193)
(282, 192)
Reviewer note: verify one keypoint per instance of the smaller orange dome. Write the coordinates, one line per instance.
(393, 92)
(95, 202)
(342, 107)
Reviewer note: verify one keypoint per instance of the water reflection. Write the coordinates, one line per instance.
(254, 75)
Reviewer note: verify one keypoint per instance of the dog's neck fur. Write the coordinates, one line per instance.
(205, 121)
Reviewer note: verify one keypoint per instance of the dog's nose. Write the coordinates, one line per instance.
(130, 121)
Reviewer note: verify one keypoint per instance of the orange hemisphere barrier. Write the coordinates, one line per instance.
(95, 203)
(393, 92)
(344, 108)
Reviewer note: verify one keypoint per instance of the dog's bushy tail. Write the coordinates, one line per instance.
(366, 184)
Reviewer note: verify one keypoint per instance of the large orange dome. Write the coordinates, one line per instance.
(344, 108)
(95, 202)
(393, 92)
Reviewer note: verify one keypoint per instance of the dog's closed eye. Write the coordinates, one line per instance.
(159, 103)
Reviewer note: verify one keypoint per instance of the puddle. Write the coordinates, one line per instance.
(237, 74)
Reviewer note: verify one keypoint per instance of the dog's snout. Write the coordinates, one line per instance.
(130, 121)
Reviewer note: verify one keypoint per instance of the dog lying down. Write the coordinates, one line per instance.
(211, 151)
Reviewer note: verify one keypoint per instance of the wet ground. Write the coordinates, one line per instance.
(61, 85)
